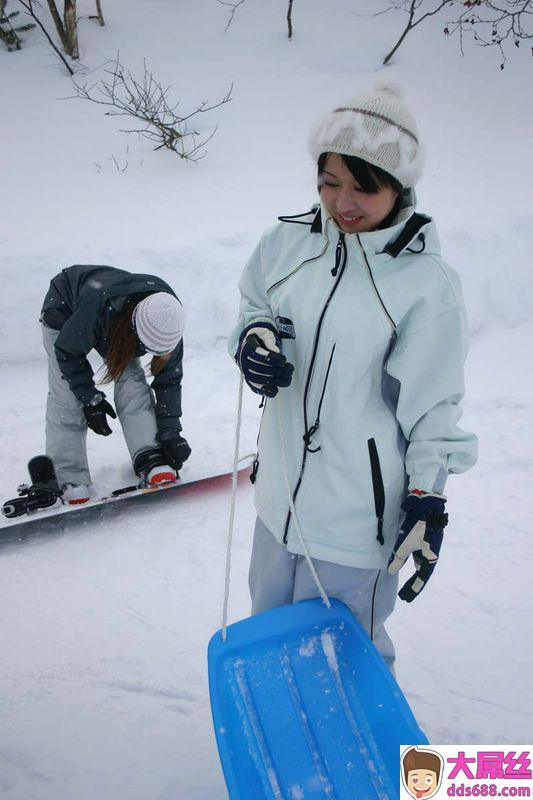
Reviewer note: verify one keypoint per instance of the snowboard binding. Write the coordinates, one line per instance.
(43, 492)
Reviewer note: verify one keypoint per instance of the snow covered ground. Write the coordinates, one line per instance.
(104, 627)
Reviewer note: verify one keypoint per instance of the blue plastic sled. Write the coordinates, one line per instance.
(305, 708)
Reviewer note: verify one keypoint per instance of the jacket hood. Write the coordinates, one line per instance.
(140, 283)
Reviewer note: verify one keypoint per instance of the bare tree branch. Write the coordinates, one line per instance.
(411, 7)
(28, 6)
(234, 7)
(506, 19)
(145, 99)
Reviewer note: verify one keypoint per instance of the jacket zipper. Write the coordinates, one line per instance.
(383, 306)
(377, 484)
(341, 255)
(296, 269)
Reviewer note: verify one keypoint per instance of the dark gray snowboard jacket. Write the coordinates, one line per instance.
(83, 303)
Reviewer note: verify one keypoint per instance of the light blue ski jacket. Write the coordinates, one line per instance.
(375, 326)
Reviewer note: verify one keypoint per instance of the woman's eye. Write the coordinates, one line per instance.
(336, 186)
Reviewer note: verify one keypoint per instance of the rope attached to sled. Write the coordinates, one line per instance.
(303, 545)
(232, 508)
(231, 524)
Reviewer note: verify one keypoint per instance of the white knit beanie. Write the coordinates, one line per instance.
(376, 127)
(159, 321)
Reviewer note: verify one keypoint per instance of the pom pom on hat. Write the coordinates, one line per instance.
(377, 127)
(389, 86)
(158, 321)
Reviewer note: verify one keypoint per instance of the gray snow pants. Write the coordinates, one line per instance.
(66, 427)
(278, 577)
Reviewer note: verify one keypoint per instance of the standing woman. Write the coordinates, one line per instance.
(122, 316)
(355, 327)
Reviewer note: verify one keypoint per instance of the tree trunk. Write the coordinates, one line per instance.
(71, 27)
(59, 25)
(99, 13)
(289, 19)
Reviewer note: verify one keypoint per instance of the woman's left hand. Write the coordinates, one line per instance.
(420, 536)
(176, 450)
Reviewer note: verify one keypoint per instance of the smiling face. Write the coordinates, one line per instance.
(421, 783)
(354, 210)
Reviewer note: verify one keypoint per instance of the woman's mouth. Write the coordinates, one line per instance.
(349, 219)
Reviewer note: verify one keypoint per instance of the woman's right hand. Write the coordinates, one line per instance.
(264, 367)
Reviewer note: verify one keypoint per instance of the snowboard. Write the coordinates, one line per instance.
(41, 501)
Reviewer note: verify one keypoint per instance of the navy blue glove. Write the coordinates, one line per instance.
(96, 415)
(264, 367)
(420, 536)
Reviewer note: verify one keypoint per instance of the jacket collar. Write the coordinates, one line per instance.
(411, 230)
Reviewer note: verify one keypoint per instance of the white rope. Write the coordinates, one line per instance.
(232, 508)
(234, 501)
(295, 515)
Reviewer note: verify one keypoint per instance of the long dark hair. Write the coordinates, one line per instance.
(124, 346)
(370, 178)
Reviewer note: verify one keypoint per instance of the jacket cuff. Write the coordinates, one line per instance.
(429, 480)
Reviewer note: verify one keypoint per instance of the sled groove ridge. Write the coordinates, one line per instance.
(255, 725)
(320, 767)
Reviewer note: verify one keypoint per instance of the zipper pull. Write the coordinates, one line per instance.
(338, 254)
(255, 467)
(309, 435)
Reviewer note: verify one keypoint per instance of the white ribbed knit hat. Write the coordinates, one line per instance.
(377, 127)
(159, 321)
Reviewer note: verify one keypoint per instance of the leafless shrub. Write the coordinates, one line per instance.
(147, 101)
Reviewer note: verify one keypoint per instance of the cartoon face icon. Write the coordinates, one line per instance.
(421, 772)
(421, 783)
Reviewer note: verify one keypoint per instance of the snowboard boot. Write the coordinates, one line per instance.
(76, 493)
(162, 474)
(152, 469)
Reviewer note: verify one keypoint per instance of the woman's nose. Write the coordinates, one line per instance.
(346, 200)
